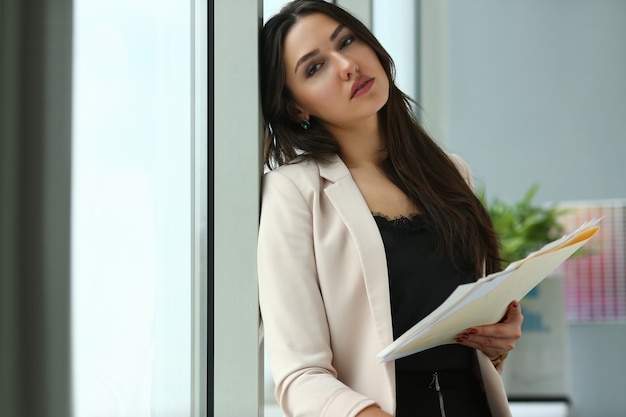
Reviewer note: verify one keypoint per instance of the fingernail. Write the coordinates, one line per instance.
(473, 331)
(515, 303)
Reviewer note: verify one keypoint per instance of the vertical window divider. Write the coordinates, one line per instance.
(199, 232)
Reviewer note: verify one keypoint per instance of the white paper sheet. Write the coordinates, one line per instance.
(486, 300)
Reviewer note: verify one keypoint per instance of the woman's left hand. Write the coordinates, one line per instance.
(495, 340)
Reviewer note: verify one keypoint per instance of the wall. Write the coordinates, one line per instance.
(598, 369)
(535, 92)
(234, 207)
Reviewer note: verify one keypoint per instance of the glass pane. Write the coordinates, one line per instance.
(131, 220)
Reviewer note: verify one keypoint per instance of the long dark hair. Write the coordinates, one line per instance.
(415, 163)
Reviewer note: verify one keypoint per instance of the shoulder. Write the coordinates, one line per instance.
(463, 167)
(304, 167)
(304, 173)
(311, 173)
(297, 181)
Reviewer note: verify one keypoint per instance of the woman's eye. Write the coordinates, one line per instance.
(346, 41)
(312, 70)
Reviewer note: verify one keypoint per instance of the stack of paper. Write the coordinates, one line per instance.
(486, 300)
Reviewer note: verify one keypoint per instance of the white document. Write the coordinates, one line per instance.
(486, 300)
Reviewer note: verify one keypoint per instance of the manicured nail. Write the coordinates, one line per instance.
(473, 331)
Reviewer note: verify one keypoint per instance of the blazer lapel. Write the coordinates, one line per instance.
(345, 196)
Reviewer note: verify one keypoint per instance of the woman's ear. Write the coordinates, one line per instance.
(296, 113)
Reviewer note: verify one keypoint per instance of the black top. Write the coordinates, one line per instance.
(420, 279)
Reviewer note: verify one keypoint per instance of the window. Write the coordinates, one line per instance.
(137, 220)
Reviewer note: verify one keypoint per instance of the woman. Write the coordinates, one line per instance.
(366, 227)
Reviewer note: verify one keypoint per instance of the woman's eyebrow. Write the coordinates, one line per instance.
(311, 54)
(305, 57)
(334, 35)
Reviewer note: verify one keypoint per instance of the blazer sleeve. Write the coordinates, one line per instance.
(297, 336)
(463, 168)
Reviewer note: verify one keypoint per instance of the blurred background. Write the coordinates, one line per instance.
(129, 184)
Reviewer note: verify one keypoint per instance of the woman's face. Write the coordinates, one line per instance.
(332, 75)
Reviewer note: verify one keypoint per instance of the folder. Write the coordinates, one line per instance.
(486, 300)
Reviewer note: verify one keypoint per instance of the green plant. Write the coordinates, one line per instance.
(523, 227)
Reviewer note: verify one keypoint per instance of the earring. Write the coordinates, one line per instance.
(305, 124)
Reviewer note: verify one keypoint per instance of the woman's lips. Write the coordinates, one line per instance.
(361, 86)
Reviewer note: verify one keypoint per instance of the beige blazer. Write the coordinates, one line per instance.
(324, 295)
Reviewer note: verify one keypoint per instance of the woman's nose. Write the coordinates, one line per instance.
(346, 65)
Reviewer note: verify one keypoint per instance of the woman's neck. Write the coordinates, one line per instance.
(361, 146)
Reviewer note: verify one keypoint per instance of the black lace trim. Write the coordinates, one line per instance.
(411, 222)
